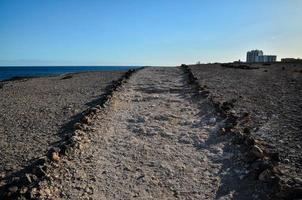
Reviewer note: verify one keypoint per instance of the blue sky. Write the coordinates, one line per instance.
(145, 32)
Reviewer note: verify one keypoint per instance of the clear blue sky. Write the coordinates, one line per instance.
(146, 32)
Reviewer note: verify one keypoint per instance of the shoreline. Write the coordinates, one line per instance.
(60, 70)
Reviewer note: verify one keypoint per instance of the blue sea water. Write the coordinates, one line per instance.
(10, 72)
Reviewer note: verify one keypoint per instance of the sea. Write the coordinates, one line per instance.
(17, 72)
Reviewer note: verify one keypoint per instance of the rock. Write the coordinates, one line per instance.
(265, 175)
(47, 191)
(28, 178)
(166, 134)
(257, 152)
(94, 110)
(23, 190)
(2, 175)
(86, 120)
(77, 126)
(298, 180)
(55, 156)
(212, 121)
(13, 189)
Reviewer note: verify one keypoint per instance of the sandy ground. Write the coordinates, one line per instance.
(272, 95)
(157, 139)
(36, 113)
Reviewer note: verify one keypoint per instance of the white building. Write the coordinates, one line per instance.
(257, 56)
(266, 58)
(251, 56)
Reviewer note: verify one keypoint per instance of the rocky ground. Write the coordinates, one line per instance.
(158, 138)
(36, 113)
(198, 132)
(272, 97)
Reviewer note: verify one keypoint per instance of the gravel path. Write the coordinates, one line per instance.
(157, 140)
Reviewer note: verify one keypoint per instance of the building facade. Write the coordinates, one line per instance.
(266, 58)
(257, 56)
(251, 56)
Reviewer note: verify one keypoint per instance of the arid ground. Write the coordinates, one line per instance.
(36, 113)
(191, 132)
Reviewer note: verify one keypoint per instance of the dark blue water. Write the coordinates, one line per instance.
(10, 72)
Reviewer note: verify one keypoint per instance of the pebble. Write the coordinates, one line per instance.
(13, 189)
(55, 156)
(264, 176)
(212, 120)
(256, 151)
(298, 180)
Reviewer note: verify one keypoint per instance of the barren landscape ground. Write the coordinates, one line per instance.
(161, 136)
(272, 95)
(36, 113)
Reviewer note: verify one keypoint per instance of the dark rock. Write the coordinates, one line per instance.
(13, 189)
(257, 151)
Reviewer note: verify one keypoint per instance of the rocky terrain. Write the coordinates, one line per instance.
(36, 113)
(271, 95)
(157, 138)
(216, 131)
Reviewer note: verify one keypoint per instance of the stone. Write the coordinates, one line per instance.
(28, 178)
(212, 121)
(86, 120)
(55, 156)
(13, 189)
(23, 190)
(257, 152)
(77, 126)
(298, 180)
(166, 134)
(264, 176)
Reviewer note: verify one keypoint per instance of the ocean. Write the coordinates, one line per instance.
(12, 72)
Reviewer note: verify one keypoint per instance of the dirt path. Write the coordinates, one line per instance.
(156, 141)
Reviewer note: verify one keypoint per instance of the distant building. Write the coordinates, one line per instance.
(266, 58)
(251, 56)
(291, 60)
(257, 56)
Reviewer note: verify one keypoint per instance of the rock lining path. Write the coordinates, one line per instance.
(157, 140)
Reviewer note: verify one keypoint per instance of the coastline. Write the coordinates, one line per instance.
(24, 72)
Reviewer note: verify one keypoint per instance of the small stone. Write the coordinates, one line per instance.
(47, 191)
(212, 120)
(264, 176)
(256, 151)
(298, 180)
(86, 120)
(23, 190)
(166, 134)
(77, 126)
(55, 156)
(28, 178)
(13, 189)
(2, 174)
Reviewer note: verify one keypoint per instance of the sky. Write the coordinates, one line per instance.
(145, 32)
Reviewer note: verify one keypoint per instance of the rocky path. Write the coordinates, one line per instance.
(157, 140)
